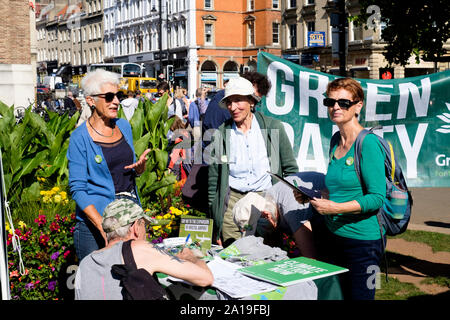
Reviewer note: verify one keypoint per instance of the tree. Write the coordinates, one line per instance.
(419, 28)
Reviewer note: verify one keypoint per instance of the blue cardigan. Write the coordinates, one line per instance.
(90, 181)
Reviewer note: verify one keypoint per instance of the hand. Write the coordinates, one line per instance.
(300, 197)
(139, 166)
(267, 215)
(186, 254)
(324, 206)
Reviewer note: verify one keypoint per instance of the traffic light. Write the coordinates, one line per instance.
(170, 73)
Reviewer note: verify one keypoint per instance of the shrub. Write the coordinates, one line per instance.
(46, 250)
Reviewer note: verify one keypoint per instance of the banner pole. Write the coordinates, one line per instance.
(4, 273)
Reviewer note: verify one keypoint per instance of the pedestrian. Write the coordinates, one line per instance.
(351, 234)
(245, 149)
(124, 223)
(102, 162)
(129, 105)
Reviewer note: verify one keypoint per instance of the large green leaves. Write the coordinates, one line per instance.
(33, 148)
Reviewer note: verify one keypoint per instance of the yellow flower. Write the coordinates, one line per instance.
(22, 225)
(55, 189)
(57, 198)
(156, 228)
(167, 216)
(159, 217)
(46, 199)
(63, 195)
(43, 192)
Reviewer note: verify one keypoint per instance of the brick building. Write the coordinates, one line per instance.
(17, 52)
(230, 34)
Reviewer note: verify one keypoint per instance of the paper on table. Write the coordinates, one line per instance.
(228, 280)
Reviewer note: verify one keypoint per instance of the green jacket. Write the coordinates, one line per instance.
(279, 152)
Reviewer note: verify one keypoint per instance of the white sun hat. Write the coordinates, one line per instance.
(238, 86)
(247, 211)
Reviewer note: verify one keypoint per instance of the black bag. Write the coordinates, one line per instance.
(195, 189)
(137, 284)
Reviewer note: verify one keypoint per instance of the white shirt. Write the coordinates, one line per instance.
(248, 159)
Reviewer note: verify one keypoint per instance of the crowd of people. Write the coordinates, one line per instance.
(340, 227)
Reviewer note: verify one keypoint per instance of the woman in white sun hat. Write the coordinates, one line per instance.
(243, 149)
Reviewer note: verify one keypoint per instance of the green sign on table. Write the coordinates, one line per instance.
(199, 228)
(288, 272)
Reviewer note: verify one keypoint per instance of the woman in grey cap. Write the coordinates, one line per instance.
(243, 149)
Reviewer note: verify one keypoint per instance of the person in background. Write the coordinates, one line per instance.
(124, 223)
(129, 105)
(250, 144)
(260, 82)
(214, 114)
(102, 162)
(161, 89)
(351, 236)
(69, 104)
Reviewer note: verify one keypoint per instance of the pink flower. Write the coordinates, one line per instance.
(14, 273)
(66, 254)
(54, 226)
(41, 220)
(43, 239)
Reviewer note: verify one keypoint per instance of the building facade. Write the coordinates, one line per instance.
(231, 33)
(17, 53)
(69, 33)
(308, 40)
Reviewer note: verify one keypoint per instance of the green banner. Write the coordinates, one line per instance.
(414, 113)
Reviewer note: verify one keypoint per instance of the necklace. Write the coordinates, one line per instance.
(112, 133)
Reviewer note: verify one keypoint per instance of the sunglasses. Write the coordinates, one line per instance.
(343, 103)
(109, 96)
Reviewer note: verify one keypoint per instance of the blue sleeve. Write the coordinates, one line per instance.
(194, 115)
(77, 157)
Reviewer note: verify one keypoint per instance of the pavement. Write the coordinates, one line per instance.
(431, 210)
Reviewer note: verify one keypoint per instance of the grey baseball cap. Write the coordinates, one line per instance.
(126, 212)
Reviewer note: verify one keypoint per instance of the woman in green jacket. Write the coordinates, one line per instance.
(243, 149)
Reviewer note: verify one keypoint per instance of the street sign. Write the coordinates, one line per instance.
(316, 39)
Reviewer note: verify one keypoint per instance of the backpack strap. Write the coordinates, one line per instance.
(127, 254)
(357, 159)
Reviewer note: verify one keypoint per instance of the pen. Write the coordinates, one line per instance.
(295, 184)
(187, 239)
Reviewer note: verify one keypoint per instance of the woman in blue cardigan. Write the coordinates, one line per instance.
(102, 163)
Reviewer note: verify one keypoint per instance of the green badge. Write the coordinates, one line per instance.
(349, 161)
(98, 158)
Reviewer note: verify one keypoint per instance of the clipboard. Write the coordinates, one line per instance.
(310, 193)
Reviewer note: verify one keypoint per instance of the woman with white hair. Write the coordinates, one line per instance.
(102, 162)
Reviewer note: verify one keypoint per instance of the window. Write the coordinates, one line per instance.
(250, 5)
(208, 34)
(208, 4)
(292, 3)
(310, 1)
(275, 33)
(311, 26)
(251, 34)
(292, 36)
(275, 4)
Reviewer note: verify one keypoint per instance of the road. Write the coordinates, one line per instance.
(431, 210)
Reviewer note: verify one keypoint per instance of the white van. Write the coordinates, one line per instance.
(50, 81)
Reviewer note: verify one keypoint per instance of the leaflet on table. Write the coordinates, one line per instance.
(288, 272)
(310, 193)
(199, 228)
(228, 280)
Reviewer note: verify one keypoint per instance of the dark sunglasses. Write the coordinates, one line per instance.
(109, 96)
(343, 103)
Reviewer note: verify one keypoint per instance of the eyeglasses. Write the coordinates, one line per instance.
(109, 96)
(343, 103)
